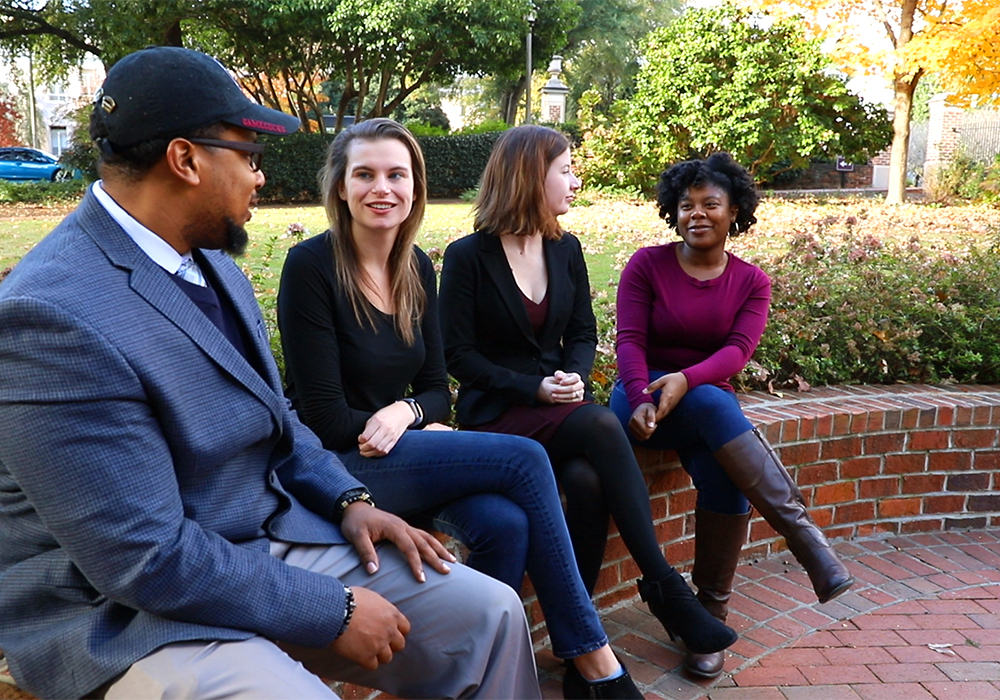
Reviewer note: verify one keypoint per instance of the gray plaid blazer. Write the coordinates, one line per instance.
(143, 466)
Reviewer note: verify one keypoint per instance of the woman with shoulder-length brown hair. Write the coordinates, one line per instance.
(520, 337)
(357, 309)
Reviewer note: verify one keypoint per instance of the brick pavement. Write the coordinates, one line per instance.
(922, 623)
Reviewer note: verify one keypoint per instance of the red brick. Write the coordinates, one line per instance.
(987, 461)
(984, 504)
(860, 467)
(841, 447)
(824, 425)
(944, 504)
(923, 483)
(854, 512)
(803, 453)
(963, 416)
(891, 691)
(907, 673)
(945, 415)
(770, 676)
(949, 461)
(882, 444)
(822, 516)
(923, 525)
(969, 482)
(910, 417)
(841, 424)
(879, 488)
(794, 656)
(898, 507)
(904, 464)
(929, 440)
(835, 493)
(837, 675)
(669, 480)
(669, 530)
(816, 474)
(658, 504)
(962, 690)
(682, 502)
(971, 439)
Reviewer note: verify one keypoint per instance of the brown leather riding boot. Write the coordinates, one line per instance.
(718, 541)
(756, 470)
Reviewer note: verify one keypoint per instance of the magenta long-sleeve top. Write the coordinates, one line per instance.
(669, 321)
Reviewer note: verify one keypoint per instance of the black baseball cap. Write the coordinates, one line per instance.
(166, 91)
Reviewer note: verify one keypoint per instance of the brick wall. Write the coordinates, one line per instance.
(825, 176)
(895, 459)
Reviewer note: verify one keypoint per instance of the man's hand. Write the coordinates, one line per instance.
(363, 526)
(384, 428)
(642, 425)
(376, 631)
(672, 388)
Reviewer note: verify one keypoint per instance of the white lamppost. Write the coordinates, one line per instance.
(527, 43)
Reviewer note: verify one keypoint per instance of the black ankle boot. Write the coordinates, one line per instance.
(680, 613)
(576, 687)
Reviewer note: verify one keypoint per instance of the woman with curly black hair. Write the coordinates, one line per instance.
(690, 316)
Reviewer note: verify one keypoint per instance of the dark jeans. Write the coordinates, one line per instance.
(497, 495)
(704, 420)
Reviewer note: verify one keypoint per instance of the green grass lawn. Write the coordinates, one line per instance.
(609, 229)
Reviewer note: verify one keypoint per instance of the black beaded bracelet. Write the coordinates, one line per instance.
(349, 497)
(349, 606)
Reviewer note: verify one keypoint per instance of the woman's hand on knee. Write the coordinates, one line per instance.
(672, 388)
(384, 428)
(642, 425)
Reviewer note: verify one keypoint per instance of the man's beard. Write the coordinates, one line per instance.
(236, 238)
(233, 240)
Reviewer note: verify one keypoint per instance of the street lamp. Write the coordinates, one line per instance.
(527, 43)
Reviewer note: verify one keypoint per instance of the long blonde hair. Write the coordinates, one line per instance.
(407, 294)
(512, 192)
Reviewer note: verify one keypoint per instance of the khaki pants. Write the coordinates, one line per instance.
(468, 639)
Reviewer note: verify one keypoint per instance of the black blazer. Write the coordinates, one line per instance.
(488, 342)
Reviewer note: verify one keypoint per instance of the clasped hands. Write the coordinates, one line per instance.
(645, 417)
(561, 387)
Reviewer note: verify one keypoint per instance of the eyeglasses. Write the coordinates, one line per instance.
(256, 150)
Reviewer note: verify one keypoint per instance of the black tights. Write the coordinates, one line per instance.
(599, 475)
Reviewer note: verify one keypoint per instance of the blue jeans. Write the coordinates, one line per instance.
(498, 496)
(704, 420)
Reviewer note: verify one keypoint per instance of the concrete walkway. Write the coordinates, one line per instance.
(922, 622)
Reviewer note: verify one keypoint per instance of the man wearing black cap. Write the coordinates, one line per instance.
(168, 528)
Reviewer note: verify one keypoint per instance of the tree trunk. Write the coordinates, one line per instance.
(903, 107)
(903, 85)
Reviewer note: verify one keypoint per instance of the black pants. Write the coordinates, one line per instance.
(596, 468)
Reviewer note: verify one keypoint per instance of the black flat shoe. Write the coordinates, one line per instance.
(576, 687)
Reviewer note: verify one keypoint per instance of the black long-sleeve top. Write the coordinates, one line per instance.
(339, 371)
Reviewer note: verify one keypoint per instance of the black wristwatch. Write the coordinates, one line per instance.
(349, 497)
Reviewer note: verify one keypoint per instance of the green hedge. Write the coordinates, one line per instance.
(454, 164)
(41, 191)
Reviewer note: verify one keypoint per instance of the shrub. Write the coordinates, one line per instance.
(854, 309)
(454, 164)
(964, 178)
(41, 191)
(291, 163)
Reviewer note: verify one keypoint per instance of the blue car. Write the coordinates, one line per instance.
(31, 164)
